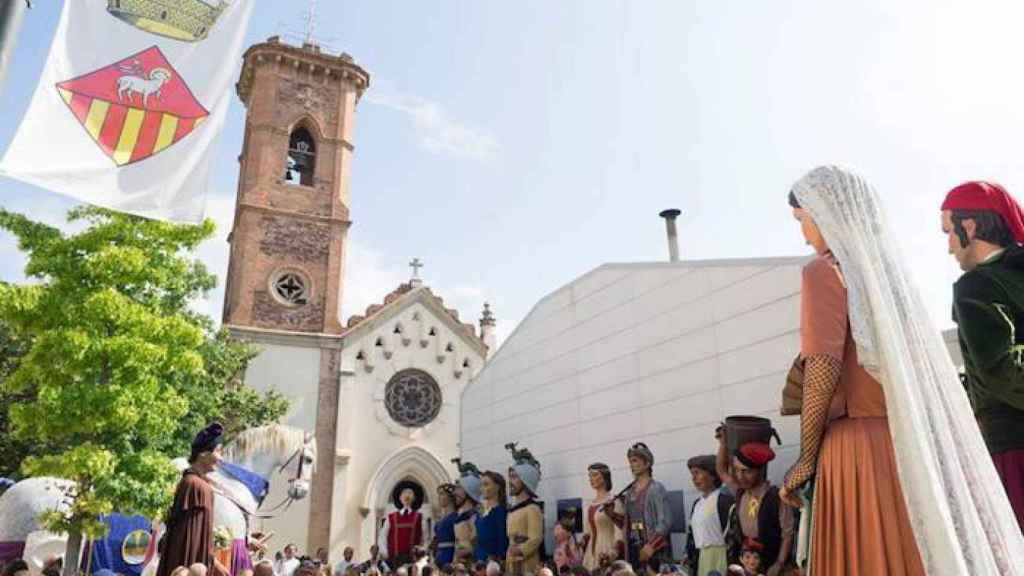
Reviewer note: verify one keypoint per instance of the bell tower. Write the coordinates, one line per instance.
(286, 271)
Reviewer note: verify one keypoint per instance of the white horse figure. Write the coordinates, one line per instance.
(269, 451)
(131, 84)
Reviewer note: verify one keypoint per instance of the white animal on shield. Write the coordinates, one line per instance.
(135, 82)
(269, 451)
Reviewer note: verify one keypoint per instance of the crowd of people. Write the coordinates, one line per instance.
(894, 475)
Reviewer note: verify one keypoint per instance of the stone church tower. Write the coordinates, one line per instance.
(286, 271)
(292, 218)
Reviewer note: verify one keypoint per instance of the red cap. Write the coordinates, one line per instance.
(988, 197)
(753, 545)
(755, 454)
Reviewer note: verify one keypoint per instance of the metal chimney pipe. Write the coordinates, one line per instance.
(670, 216)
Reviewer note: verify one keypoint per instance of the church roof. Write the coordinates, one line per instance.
(399, 293)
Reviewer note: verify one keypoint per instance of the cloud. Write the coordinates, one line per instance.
(438, 132)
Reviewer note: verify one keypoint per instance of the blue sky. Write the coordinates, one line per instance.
(516, 145)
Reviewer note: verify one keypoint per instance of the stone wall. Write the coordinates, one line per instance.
(294, 239)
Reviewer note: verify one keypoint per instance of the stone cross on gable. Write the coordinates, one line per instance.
(416, 265)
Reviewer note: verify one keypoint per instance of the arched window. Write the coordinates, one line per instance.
(301, 158)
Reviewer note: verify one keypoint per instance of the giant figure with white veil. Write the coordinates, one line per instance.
(903, 482)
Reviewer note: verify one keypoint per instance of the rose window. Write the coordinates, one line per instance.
(413, 398)
(291, 288)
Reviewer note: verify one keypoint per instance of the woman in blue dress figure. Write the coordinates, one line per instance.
(491, 527)
(444, 529)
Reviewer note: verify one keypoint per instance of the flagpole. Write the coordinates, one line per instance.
(12, 14)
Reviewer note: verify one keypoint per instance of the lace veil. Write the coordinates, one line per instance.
(961, 516)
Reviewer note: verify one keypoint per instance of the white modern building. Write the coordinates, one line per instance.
(656, 352)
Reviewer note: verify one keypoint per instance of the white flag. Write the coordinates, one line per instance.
(130, 105)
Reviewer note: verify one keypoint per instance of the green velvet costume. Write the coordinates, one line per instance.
(988, 307)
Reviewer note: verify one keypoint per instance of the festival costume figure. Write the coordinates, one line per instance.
(845, 438)
(759, 514)
(706, 551)
(926, 436)
(647, 517)
(403, 530)
(189, 536)
(526, 517)
(491, 534)
(444, 530)
(988, 307)
(491, 522)
(467, 498)
(602, 538)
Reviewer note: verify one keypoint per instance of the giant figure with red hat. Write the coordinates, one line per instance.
(985, 226)
(759, 513)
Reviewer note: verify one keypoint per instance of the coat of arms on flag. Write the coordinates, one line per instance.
(185, 20)
(129, 107)
(134, 108)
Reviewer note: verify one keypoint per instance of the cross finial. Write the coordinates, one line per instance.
(311, 22)
(415, 265)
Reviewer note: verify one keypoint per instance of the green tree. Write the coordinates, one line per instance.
(12, 450)
(111, 372)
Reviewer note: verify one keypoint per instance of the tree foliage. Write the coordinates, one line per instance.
(106, 373)
(12, 450)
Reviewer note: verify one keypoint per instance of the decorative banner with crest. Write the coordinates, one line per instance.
(131, 102)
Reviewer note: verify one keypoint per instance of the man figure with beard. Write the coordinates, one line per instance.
(985, 228)
(466, 498)
(525, 517)
(189, 537)
(759, 513)
(648, 517)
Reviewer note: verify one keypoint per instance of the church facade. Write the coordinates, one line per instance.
(380, 392)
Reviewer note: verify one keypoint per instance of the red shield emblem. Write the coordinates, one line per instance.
(135, 108)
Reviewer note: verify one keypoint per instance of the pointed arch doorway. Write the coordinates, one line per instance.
(409, 465)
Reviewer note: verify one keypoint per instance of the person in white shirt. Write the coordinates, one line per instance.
(288, 563)
(346, 561)
(705, 543)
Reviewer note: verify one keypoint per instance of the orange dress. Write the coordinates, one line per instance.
(860, 523)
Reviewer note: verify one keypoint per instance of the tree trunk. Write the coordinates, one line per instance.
(72, 553)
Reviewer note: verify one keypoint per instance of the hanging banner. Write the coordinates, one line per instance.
(131, 102)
